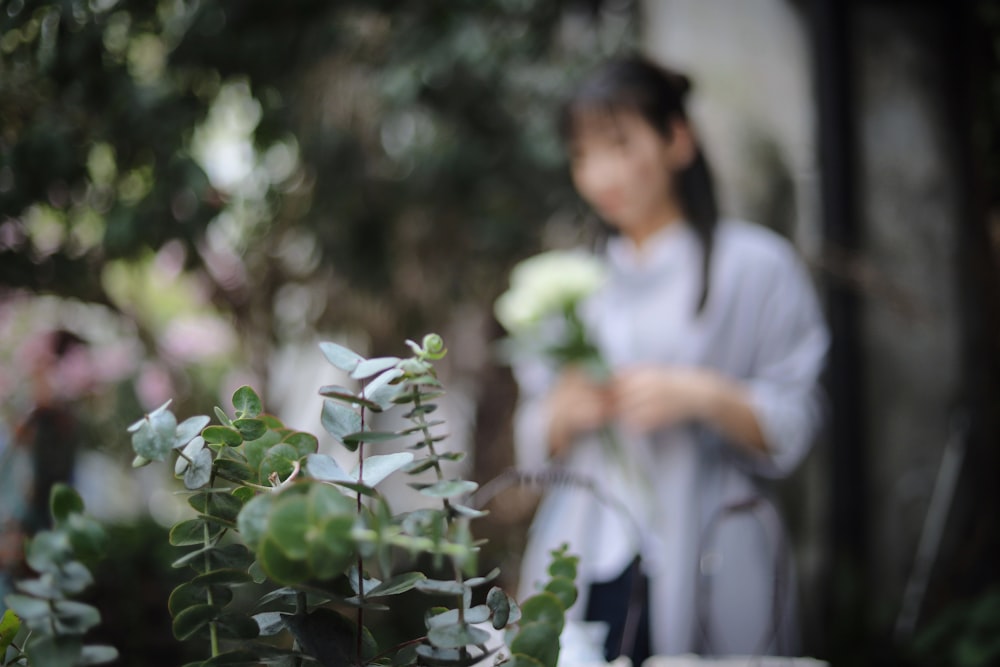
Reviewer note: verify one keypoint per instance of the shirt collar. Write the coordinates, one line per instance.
(666, 249)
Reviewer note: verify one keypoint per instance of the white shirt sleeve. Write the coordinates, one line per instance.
(791, 345)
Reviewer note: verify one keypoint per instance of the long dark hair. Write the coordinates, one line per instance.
(635, 84)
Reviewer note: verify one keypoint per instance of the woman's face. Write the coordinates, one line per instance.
(624, 168)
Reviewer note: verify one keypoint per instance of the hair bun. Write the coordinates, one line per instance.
(680, 82)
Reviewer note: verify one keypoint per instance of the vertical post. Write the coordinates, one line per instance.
(831, 26)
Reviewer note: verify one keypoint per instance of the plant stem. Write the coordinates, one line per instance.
(361, 564)
(428, 438)
(213, 630)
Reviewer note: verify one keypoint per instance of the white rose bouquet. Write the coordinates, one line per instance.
(546, 290)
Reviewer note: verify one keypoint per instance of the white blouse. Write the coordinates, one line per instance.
(761, 325)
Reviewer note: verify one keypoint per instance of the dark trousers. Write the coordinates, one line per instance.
(624, 605)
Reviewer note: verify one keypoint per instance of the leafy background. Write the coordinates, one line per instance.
(194, 187)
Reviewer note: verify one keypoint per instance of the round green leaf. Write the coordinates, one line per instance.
(304, 443)
(244, 494)
(72, 617)
(564, 589)
(54, 650)
(250, 429)
(184, 596)
(188, 453)
(199, 472)
(339, 420)
(496, 600)
(246, 402)
(48, 550)
(379, 466)
(189, 557)
(189, 595)
(326, 501)
(331, 548)
(98, 654)
(63, 501)
(270, 623)
(545, 608)
(478, 614)
(370, 367)
(257, 573)
(287, 526)
(234, 470)
(325, 468)
(27, 608)
(341, 357)
(10, 625)
(563, 566)
(192, 619)
(256, 450)
(539, 641)
(154, 438)
(221, 505)
(381, 390)
(234, 625)
(87, 536)
(515, 611)
(222, 416)
(192, 531)
(252, 519)
(272, 421)
(73, 578)
(456, 636)
(229, 556)
(449, 488)
(188, 429)
(278, 565)
(223, 435)
(44, 587)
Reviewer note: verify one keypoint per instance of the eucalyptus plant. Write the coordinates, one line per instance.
(272, 510)
(43, 625)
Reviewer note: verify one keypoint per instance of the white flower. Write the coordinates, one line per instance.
(545, 285)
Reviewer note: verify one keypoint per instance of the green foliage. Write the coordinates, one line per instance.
(542, 616)
(271, 510)
(439, 159)
(56, 624)
(967, 634)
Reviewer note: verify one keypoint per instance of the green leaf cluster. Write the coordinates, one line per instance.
(536, 642)
(273, 511)
(43, 606)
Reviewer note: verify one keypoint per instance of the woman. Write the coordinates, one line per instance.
(715, 340)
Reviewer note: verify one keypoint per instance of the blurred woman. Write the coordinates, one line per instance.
(715, 342)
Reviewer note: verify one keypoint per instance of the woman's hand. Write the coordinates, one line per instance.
(576, 405)
(647, 398)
